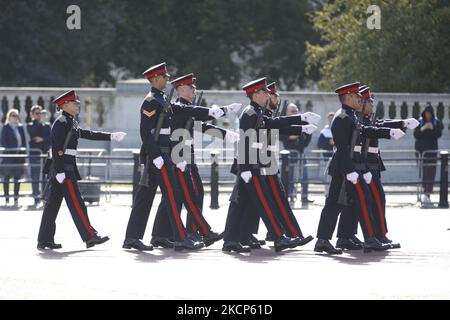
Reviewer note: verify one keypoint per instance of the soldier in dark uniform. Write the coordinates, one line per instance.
(157, 121)
(63, 174)
(187, 172)
(273, 179)
(251, 186)
(368, 151)
(345, 174)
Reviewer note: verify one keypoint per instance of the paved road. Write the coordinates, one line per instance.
(419, 270)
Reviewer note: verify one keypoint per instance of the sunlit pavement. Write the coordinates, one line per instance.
(420, 269)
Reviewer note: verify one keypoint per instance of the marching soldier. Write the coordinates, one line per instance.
(187, 171)
(369, 152)
(157, 121)
(346, 177)
(273, 179)
(63, 174)
(251, 187)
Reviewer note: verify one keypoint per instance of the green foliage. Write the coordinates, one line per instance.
(440, 111)
(409, 54)
(224, 42)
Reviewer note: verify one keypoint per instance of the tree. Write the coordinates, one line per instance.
(408, 54)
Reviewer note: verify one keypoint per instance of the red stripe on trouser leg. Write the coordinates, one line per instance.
(78, 207)
(172, 202)
(281, 205)
(194, 227)
(376, 195)
(190, 203)
(266, 206)
(364, 209)
(195, 185)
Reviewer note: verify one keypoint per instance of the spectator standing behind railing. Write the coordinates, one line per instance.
(12, 137)
(297, 145)
(39, 140)
(427, 134)
(326, 141)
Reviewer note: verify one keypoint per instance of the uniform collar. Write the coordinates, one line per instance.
(155, 90)
(183, 100)
(254, 104)
(67, 115)
(347, 108)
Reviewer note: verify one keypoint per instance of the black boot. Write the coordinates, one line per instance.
(95, 240)
(270, 237)
(187, 244)
(325, 246)
(137, 244)
(373, 244)
(286, 243)
(161, 242)
(384, 239)
(229, 246)
(211, 237)
(356, 240)
(347, 244)
(48, 245)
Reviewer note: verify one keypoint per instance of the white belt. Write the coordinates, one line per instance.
(188, 142)
(272, 148)
(257, 145)
(165, 131)
(71, 152)
(357, 149)
(263, 172)
(373, 150)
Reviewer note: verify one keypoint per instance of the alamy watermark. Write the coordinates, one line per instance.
(73, 21)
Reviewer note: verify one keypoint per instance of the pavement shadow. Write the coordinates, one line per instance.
(357, 257)
(262, 255)
(57, 255)
(158, 255)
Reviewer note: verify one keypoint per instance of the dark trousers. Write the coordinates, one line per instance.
(199, 195)
(170, 205)
(35, 168)
(70, 192)
(189, 197)
(16, 187)
(348, 220)
(254, 195)
(429, 174)
(288, 219)
(360, 205)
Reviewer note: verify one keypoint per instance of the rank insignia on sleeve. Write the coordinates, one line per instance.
(149, 114)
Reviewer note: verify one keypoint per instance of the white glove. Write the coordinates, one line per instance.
(234, 107)
(232, 136)
(311, 117)
(397, 134)
(158, 162)
(352, 177)
(368, 177)
(118, 136)
(309, 128)
(411, 123)
(182, 165)
(60, 177)
(246, 176)
(216, 112)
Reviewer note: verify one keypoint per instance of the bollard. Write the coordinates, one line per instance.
(285, 167)
(136, 174)
(443, 193)
(214, 180)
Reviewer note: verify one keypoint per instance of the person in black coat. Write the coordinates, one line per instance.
(12, 137)
(39, 144)
(427, 134)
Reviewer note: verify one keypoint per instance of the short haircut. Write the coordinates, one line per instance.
(35, 108)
